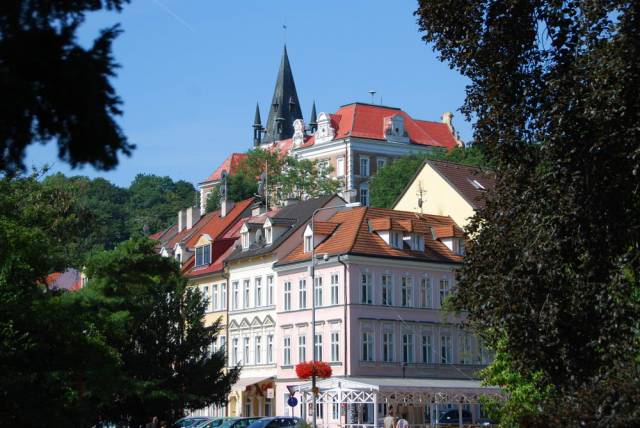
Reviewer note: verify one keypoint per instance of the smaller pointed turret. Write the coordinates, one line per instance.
(313, 122)
(257, 128)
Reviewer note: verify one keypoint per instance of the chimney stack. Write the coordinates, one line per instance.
(225, 207)
(192, 216)
(182, 220)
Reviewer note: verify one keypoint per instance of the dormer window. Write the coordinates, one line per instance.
(460, 247)
(395, 239)
(268, 235)
(417, 242)
(308, 244)
(245, 240)
(203, 255)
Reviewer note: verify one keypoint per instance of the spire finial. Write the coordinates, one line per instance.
(313, 121)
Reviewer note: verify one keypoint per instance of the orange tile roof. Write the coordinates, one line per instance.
(214, 225)
(230, 165)
(324, 227)
(448, 231)
(367, 121)
(353, 236)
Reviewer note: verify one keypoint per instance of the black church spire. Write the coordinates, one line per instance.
(285, 107)
(257, 128)
(313, 120)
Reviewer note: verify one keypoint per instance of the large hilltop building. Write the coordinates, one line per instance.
(354, 141)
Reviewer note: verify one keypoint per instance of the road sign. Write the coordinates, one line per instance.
(292, 401)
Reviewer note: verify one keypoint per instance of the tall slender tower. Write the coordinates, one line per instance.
(285, 106)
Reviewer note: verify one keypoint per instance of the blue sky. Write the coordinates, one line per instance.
(192, 71)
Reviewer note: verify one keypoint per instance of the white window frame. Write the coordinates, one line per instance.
(427, 347)
(388, 346)
(366, 171)
(234, 351)
(380, 163)
(257, 344)
(257, 281)
(364, 194)
(335, 346)
(317, 291)
(302, 293)
(302, 348)
(408, 347)
(246, 293)
(335, 284)
(366, 289)
(235, 295)
(269, 348)
(446, 349)
(286, 351)
(269, 290)
(268, 235)
(245, 350)
(386, 289)
(340, 166)
(445, 290)
(245, 240)
(308, 243)
(214, 298)
(317, 347)
(367, 346)
(287, 295)
(406, 291)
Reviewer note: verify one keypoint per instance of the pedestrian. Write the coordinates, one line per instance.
(402, 422)
(154, 423)
(389, 420)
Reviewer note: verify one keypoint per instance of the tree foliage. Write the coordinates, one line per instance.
(393, 178)
(60, 90)
(553, 269)
(128, 346)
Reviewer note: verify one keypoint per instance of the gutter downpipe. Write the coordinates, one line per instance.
(225, 275)
(346, 332)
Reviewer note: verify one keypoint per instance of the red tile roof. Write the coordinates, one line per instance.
(324, 227)
(448, 231)
(367, 121)
(354, 236)
(230, 165)
(214, 225)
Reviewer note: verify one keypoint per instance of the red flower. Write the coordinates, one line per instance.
(306, 369)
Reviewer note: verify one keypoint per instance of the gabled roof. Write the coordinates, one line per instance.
(367, 121)
(230, 164)
(354, 236)
(216, 225)
(300, 212)
(471, 182)
(448, 231)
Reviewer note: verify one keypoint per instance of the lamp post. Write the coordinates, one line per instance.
(313, 299)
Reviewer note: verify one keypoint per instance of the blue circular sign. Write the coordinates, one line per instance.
(292, 401)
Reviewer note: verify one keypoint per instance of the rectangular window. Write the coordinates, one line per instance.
(302, 293)
(270, 290)
(334, 289)
(317, 351)
(464, 349)
(234, 351)
(244, 238)
(287, 351)
(340, 167)
(335, 346)
(258, 349)
(268, 235)
(406, 291)
(223, 296)
(287, 296)
(367, 346)
(258, 291)
(270, 349)
(365, 289)
(214, 346)
(214, 297)
(407, 348)
(223, 342)
(446, 350)
(388, 347)
(364, 166)
(380, 163)
(364, 196)
(246, 290)
(206, 298)
(387, 290)
(302, 349)
(245, 350)
(235, 295)
(203, 255)
(427, 348)
(307, 244)
(426, 293)
(444, 290)
(396, 239)
(317, 291)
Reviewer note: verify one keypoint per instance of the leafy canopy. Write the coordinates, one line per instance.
(551, 279)
(60, 90)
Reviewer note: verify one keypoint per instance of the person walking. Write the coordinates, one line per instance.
(402, 422)
(389, 420)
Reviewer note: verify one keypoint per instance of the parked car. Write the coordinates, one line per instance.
(450, 417)
(189, 421)
(237, 422)
(213, 422)
(276, 422)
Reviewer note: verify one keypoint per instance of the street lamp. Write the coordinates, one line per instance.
(313, 298)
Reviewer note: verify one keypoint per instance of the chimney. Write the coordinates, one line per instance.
(182, 220)
(290, 201)
(192, 216)
(225, 207)
(258, 209)
(447, 117)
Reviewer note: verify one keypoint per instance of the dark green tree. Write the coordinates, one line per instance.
(154, 323)
(53, 364)
(551, 280)
(393, 178)
(55, 89)
(154, 202)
